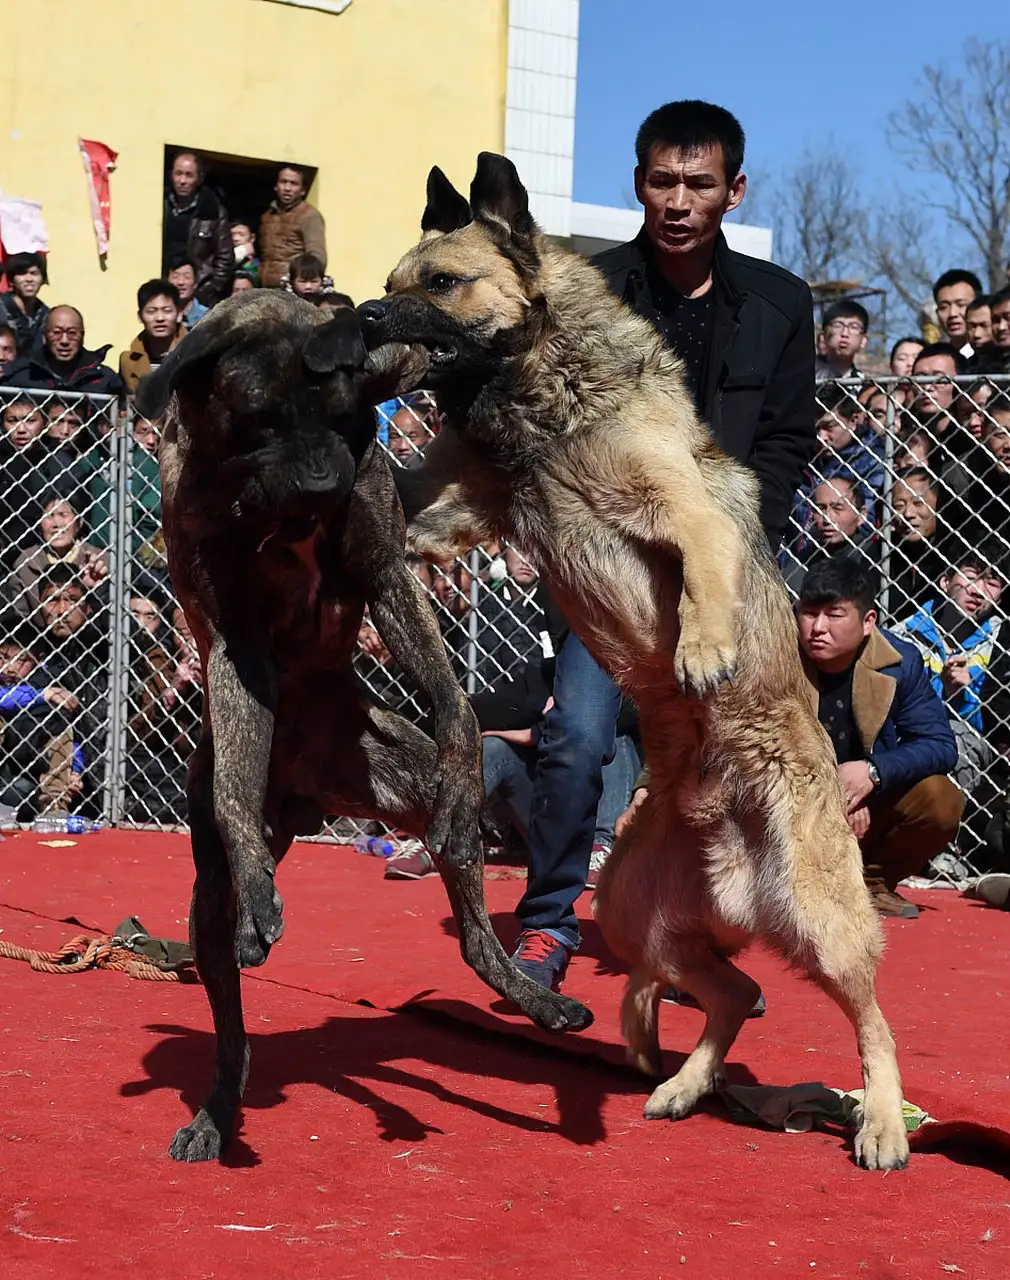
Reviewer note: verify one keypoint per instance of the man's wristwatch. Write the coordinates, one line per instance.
(874, 773)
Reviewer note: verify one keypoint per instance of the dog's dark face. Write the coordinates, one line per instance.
(469, 289)
(278, 403)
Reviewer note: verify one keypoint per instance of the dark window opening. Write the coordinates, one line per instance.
(244, 185)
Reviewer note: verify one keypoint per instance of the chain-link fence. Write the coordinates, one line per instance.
(913, 475)
(101, 692)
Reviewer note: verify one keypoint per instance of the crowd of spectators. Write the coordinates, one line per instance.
(58, 505)
(911, 473)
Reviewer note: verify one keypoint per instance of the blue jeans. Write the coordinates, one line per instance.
(578, 739)
(509, 771)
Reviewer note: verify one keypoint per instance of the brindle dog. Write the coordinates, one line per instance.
(282, 523)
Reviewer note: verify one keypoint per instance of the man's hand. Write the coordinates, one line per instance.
(859, 821)
(57, 697)
(854, 776)
(518, 737)
(94, 570)
(955, 674)
(629, 813)
(76, 785)
(370, 642)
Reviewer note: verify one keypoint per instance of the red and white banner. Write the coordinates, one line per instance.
(99, 162)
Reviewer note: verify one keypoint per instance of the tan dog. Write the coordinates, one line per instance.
(570, 432)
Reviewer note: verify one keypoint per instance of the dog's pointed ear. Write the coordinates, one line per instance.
(215, 333)
(336, 344)
(497, 195)
(499, 199)
(446, 209)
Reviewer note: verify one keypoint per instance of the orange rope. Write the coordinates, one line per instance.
(92, 953)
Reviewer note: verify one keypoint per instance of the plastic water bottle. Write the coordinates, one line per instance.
(69, 824)
(375, 846)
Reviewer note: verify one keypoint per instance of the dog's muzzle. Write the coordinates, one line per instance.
(283, 482)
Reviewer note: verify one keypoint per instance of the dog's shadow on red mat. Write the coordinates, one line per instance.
(356, 1057)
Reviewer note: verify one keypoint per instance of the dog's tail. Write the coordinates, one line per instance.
(639, 1021)
(486, 956)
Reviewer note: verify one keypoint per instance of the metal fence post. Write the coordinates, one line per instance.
(473, 623)
(885, 524)
(119, 614)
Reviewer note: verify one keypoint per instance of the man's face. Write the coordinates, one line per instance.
(831, 634)
(23, 423)
(406, 435)
(147, 433)
(844, 338)
(185, 176)
(63, 423)
(914, 505)
(16, 664)
(836, 516)
(64, 333)
(979, 324)
(145, 613)
(977, 419)
(184, 279)
(241, 284)
(241, 234)
(63, 609)
(904, 358)
(951, 304)
(8, 348)
(26, 284)
(182, 635)
(59, 526)
(307, 287)
(997, 437)
(160, 316)
(913, 453)
(937, 395)
(1001, 325)
(833, 431)
(519, 568)
(290, 188)
(685, 196)
(975, 593)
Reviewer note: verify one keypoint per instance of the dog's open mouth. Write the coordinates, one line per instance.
(441, 356)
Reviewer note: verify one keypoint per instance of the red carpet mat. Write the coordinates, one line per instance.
(433, 1135)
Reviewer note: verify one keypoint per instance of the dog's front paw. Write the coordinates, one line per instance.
(260, 921)
(201, 1140)
(882, 1142)
(702, 668)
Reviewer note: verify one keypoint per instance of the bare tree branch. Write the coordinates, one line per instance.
(957, 129)
(819, 230)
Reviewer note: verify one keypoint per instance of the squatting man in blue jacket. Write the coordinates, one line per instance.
(889, 729)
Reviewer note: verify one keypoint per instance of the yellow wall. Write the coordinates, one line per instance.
(373, 97)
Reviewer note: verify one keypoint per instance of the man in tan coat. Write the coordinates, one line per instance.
(159, 308)
(290, 226)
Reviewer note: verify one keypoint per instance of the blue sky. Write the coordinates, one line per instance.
(796, 74)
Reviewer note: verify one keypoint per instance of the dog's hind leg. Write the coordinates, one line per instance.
(727, 995)
(841, 950)
(391, 774)
(834, 936)
(881, 1140)
(212, 923)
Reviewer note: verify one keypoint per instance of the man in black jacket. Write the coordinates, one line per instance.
(61, 362)
(196, 229)
(744, 330)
